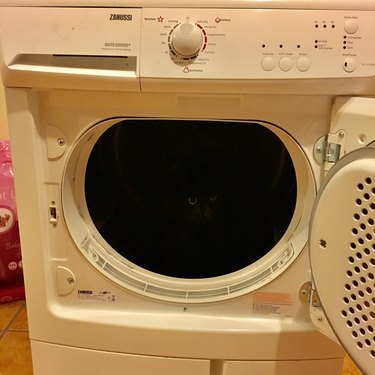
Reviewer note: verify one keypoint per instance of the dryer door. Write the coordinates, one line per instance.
(342, 248)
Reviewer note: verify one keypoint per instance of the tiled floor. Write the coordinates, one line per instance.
(15, 355)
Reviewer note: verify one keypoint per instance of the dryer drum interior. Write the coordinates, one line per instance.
(190, 199)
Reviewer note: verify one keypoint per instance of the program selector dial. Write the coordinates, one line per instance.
(186, 39)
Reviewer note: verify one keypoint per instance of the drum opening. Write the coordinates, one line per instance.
(190, 199)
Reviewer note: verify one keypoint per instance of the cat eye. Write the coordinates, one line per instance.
(193, 200)
(213, 198)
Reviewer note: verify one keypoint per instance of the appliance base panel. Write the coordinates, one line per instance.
(61, 360)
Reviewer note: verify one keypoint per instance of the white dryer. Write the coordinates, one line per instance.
(195, 183)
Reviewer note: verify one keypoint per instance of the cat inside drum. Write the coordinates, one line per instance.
(190, 199)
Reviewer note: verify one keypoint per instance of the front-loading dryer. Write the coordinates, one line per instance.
(195, 189)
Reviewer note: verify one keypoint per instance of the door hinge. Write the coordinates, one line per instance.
(326, 152)
(329, 148)
(309, 295)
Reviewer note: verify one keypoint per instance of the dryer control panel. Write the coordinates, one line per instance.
(133, 49)
(257, 43)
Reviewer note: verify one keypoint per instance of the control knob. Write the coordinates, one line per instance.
(186, 39)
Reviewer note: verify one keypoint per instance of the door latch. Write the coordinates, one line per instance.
(53, 213)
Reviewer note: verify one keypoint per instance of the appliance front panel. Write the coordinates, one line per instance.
(75, 289)
(81, 86)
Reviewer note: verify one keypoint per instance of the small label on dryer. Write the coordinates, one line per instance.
(91, 295)
(272, 304)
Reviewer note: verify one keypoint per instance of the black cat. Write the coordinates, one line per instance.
(186, 200)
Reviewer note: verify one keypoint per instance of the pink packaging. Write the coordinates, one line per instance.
(11, 275)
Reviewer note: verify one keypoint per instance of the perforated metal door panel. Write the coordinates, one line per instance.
(342, 253)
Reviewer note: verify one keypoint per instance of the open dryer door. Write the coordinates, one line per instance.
(342, 238)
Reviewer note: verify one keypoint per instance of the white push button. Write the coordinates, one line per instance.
(268, 63)
(285, 64)
(351, 26)
(303, 64)
(350, 65)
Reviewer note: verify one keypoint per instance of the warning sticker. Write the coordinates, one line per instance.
(272, 304)
(91, 295)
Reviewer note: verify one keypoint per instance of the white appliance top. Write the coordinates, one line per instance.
(190, 45)
(265, 4)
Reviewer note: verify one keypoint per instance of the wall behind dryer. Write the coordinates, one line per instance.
(4, 134)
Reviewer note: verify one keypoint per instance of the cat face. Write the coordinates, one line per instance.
(193, 193)
(201, 208)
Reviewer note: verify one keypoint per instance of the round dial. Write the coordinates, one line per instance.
(187, 39)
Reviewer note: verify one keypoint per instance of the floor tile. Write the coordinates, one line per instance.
(15, 354)
(7, 312)
(350, 368)
(20, 321)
